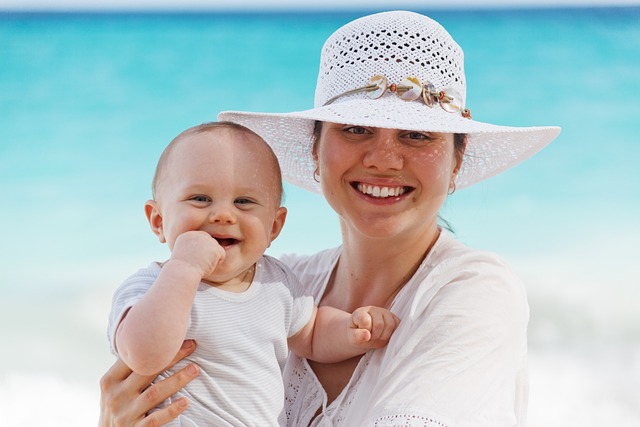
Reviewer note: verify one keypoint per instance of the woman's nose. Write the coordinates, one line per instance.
(384, 153)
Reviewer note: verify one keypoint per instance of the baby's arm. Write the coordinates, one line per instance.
(334, 335)
(153, 330)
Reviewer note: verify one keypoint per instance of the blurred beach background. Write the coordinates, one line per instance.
(89, 99)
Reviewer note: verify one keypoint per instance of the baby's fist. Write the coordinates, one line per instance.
(372, 327)
(200, 250)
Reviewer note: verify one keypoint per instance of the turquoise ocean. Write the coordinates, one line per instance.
(88, 102)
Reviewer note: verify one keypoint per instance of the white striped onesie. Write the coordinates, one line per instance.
(241, 345)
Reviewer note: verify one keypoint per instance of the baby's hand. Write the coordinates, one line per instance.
(371, 327)
(198, 249)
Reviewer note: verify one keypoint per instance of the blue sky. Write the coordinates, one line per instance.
(291, 4)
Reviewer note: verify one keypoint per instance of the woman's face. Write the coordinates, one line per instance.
(385, 182)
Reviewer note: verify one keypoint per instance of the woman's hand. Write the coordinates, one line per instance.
(126, 397)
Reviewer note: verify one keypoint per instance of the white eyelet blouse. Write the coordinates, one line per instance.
(457, 359)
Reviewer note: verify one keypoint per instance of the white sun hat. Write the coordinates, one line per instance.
(397, 70)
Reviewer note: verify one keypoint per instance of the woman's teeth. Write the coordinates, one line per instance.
(375, 191)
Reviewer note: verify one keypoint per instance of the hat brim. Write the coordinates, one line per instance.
(490, 149)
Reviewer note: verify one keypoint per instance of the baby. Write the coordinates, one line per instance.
(217, 204)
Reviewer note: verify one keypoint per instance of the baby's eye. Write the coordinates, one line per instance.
(200, 199)
(243, 201)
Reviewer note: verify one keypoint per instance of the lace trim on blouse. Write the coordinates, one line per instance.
(300, 392)
(406, 421)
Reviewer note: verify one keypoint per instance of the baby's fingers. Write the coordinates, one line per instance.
(361, 319)
(360, 336)
(384, 323)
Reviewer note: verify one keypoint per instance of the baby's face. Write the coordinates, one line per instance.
(222, 182)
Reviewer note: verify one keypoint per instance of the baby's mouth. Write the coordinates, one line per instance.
(226, 242)
(380, 191)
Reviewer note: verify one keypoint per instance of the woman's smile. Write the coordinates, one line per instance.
(379, 191)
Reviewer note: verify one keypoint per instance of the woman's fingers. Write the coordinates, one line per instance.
(157, 393)
(115, 395)
(164, 415)
(126, 397)
(116, 373)
(188, 346)
(162, 390)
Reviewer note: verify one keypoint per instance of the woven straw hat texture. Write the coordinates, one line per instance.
(397, 45)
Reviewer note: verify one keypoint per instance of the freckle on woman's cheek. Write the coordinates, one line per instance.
(434, 161)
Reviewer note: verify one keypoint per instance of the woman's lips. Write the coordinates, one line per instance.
(381, 191)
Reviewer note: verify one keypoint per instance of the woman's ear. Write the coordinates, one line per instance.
(317, 132)
(459, 156)
(314, 153)
(278, 222)
(154, 216)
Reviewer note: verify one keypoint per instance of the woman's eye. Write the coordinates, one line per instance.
(356, 130)
(417, 138)
(417, 135)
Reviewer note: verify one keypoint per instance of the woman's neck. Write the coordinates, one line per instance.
(373, 271)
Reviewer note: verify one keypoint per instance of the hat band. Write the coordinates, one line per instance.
(410, 89)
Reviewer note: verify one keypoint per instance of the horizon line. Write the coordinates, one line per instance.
(307, 9)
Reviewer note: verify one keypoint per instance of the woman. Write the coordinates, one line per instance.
(388, 140)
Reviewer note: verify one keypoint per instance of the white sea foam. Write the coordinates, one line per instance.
(587, 386)
(29, 399)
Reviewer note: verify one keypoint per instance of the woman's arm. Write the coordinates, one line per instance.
(126, 397)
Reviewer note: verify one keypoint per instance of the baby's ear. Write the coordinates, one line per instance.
(154, 216)
(278, 222)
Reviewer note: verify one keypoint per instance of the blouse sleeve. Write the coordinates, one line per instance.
(457, 358)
